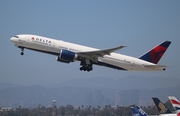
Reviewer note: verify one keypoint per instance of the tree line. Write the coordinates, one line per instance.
(68, 110)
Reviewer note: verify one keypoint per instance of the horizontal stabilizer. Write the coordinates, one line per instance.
(156, 66)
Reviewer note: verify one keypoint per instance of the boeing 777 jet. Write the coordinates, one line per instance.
(87, 56)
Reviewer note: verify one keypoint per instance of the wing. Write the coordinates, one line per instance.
(93, 55)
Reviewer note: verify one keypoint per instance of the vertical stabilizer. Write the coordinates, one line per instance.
(141, 111)
(134, 111)
(162, 109)
(155, 54)
(175, 103)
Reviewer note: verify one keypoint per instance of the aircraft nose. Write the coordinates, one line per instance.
(14, 39)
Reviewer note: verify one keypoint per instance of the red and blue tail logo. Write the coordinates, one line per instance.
(156, 53)
(175, 103)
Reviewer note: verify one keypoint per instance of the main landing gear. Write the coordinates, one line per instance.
(86, 68)
(86, 65)
(22, 51)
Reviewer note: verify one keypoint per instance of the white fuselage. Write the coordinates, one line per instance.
(168, 115)
(52, 46)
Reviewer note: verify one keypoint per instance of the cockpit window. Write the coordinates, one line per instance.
(16, 36)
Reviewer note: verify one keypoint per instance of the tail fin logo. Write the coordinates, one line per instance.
(141, 111)
(175, 102)
(163, 109)
(178, 114)
(155, 54)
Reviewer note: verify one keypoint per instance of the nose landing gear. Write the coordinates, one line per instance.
(22, 51)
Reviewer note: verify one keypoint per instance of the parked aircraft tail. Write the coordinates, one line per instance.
(134, 111)
(137, 111)
(162, 109)
(175, 102)
(141, 111)
(155, 54)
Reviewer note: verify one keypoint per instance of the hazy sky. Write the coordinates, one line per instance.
(140, 25)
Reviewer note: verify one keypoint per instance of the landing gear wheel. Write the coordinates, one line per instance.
(81, 68)
(86, 65)
(22, 53)
(85, 68)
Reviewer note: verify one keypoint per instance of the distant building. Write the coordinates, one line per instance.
(127, 97)
(94, 99)
(54, 109)
(117, 97)
(88, 100)
(98, 98)
(53, 103)
(7, 109)
(21, 103)
(107, 101)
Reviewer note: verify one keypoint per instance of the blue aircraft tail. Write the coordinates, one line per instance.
(141, 111)
(155, 54)
(134, 111)
(162, 109)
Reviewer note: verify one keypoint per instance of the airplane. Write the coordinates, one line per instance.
(69, 52)
(137, 111)
(175, 103)
(162, 109)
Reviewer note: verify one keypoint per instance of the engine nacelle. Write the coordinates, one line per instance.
(66, 56)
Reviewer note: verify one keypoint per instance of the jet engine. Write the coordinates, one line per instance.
(67, 56)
